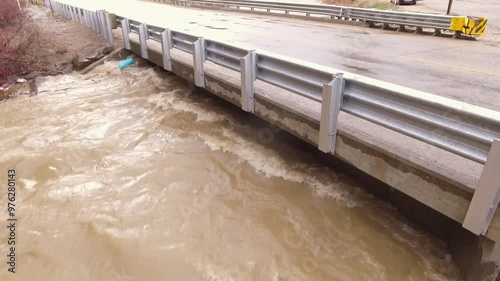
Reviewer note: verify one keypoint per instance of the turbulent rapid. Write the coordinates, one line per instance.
(132, 175)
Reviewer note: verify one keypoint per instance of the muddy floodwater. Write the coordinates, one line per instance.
(132, 176)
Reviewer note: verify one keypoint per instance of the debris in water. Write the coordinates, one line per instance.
(125, 63)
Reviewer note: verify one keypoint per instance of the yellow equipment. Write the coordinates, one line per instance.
(469, 25)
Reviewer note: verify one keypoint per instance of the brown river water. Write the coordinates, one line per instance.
(132, 176)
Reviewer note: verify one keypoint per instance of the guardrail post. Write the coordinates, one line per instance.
(96, 22)
(86, 18)
(80, 16)
(72, 13)
(90, 21)
(166, 45)
(248, 75)
(126, 31)
(109, 28)
(457, 35)
(487, 194)
(102, 21)
(198, 58)
(143, 36)
(75, 11)
(330, 108)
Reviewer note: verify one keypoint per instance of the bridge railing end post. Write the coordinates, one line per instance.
(487, 194)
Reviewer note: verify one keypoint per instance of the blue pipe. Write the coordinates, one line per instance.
(125, 63)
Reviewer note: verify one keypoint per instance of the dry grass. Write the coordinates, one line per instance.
(339, 2)
(378, 4)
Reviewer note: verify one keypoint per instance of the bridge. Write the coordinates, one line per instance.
(442, 153)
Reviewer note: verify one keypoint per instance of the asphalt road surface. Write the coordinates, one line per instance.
(464, 70)
(479, 8)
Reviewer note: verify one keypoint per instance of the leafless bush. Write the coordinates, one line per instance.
(17, 39)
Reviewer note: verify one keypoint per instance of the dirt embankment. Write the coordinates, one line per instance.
(52, 45)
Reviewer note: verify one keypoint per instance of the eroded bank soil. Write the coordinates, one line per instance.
(62, 46)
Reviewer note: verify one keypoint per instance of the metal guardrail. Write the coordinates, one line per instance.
(99, 21)
(457, 24)
(469, 131)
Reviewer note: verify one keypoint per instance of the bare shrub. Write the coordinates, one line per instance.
(17, 38)
(9, 12)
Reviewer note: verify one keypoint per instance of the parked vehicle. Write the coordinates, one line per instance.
(402, 2)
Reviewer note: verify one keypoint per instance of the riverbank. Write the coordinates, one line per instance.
(61, 46)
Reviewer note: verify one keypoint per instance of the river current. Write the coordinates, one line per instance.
(131, 175)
